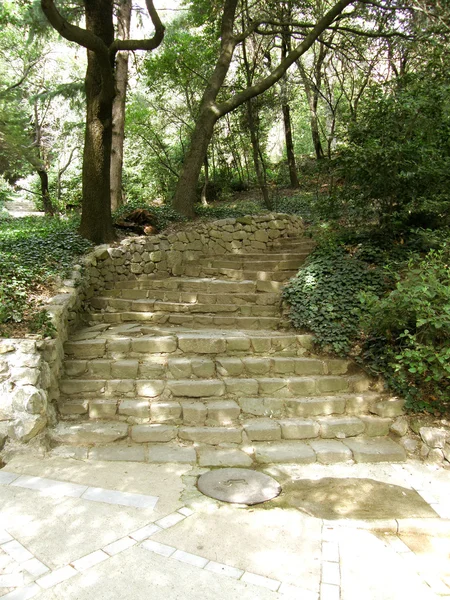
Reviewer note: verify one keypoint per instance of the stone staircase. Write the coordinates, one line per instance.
(206, 370)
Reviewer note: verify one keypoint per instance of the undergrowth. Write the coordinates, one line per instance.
(34, 251)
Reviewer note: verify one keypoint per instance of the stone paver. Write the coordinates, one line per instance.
(273, 553)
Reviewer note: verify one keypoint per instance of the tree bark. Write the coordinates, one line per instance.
(293, 177)
(185, 192)
(45, 193)
(96, 223)
(312, 96)
(98, 39)
(257, 162)
(285, 108)
(118, 110)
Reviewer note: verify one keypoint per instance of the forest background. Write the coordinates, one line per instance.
(337, 111)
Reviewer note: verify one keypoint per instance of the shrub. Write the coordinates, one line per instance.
(324, 296)
(33, 252)
(408, 333)
(228, 210)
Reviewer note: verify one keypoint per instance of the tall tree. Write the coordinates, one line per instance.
(211, 110)
(124, 9)
(98, 39)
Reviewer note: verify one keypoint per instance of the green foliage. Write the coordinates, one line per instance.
(227, 210)
(324, 296)
(34, 251)
(397, 161)
(408, 333)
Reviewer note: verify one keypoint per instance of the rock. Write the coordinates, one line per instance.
(153, 433)
(211, 435)
(118, 453)
(330, 451)
(171, 454)
(299, 429)
(284, 452)
(340, 427)
(262, 430)
(388, 408)
(25, 427)
(30, 399)
(435, 456)
(409, 444)
(87, 433)
(376, 450)
(400, 426)
(223, 457)
(434, 437)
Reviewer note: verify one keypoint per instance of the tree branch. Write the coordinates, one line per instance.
(150, 44)
(260, 87)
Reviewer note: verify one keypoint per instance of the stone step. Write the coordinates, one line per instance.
(334, 414)
(188, 284)
(119, 342)
(239, 263)
(217, 428)
(195, 297)
(157, 307)
(226, 387)
(241, 274)
(235, 322)
(197, 284)
(270, 256)
(162, 444)
(187, 366)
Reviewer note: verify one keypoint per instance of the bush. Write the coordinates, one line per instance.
(226, 210)
(34, 251)
(408, 333)
(396, 163)
(324, 296)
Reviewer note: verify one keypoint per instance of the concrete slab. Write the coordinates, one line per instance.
(140, 574)
(264, 542)
(370, 569)
(163, 481)
(59, 530)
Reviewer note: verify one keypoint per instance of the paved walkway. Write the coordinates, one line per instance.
(75, 530)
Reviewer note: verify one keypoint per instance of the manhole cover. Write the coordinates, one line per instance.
(241, 486)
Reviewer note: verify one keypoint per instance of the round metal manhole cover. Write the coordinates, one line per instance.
(240, 486)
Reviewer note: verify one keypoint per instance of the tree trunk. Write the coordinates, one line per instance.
(185, 193)
(259, 167)
(118, 134)
(48, 206)
(204, 198)
(96, 223)
(289, 145)
(312, 96)
(210, 111)
(285, 49)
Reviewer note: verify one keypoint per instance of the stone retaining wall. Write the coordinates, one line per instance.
(177, 253)
(30, 368)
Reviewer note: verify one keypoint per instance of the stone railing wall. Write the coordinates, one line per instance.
(30, 368)
(177, 253)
